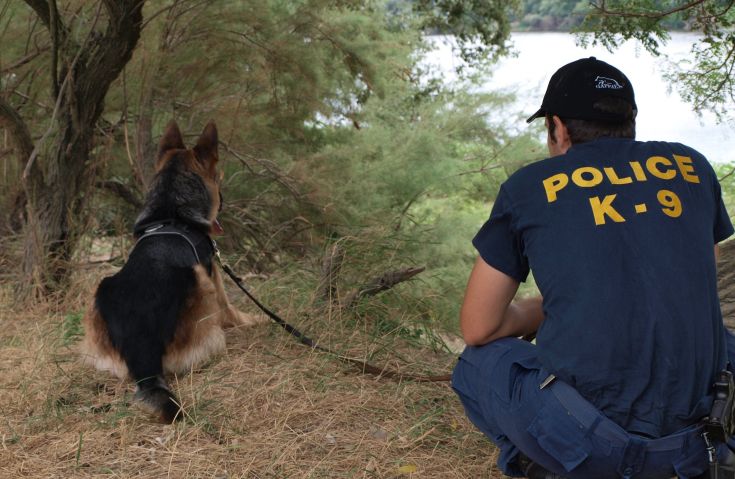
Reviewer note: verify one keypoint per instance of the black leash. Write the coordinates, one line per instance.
(364, 367)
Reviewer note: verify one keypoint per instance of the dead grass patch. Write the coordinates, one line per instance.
(268, 408)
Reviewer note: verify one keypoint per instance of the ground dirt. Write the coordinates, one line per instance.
(268, 408)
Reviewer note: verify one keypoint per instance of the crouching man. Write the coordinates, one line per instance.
(621, 237)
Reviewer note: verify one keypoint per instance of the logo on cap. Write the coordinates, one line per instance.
(607, 83)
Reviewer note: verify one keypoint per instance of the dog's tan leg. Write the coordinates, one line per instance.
(231, 316)
(198, 331)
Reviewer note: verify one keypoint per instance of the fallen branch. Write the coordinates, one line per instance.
(382, 283)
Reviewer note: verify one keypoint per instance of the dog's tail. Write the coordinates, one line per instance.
(143, 356)
(156, 398)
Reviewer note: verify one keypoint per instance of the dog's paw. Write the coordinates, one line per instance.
(236, 317)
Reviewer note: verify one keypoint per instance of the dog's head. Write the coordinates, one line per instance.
(201, 160)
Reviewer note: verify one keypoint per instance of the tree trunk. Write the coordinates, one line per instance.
(56, 211)
(20, 138)
(62, 172)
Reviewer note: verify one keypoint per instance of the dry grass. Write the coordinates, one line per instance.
(269, 408)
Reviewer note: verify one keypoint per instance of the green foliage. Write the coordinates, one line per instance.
(550, 15)
(480, 26)
(726, 174)
(71, 328)
(636, 20)
(267, 67)
(418, 179)
(706, 80)
(330, 131)
(566, 15)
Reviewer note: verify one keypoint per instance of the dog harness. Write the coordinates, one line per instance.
(193, 237)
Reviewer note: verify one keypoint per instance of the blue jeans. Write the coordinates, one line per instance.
(499, 386)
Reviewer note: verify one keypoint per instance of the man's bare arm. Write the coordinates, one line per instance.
(487, 312)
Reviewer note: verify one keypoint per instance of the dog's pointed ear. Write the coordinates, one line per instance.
(171, 140)
(206, 147)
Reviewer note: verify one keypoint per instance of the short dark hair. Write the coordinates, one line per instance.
(581, 131)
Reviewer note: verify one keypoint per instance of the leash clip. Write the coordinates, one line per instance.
(225, 267)
(216, 252)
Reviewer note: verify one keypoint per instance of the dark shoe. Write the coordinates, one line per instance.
(533, 470)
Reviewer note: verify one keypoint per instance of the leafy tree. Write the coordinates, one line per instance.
(300, 90)
(86, 51)
(481, 27)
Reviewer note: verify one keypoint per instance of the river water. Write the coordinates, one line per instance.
(662, 115)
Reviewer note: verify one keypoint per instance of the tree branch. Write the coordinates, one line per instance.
(111, 52)
(121, 190)
(602, 10)
(22, 61)
(727, 175)
(21, 138)
(42, 10)
(50, 19)
(54, 30)
(30, 166)
(271, 168)
(19, 132)
(382, 283)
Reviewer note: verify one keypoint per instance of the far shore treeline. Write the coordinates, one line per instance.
(567, 15)
(561, 15)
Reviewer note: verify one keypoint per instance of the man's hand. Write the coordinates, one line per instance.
(487, 312)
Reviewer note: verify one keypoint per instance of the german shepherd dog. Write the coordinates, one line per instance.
(165, 310)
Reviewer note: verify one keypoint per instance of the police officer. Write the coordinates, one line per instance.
(621, 237)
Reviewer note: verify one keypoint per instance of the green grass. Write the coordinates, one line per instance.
(71, 329)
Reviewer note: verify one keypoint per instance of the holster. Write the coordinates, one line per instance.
(718, 427)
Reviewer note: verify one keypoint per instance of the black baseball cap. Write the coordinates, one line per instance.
(576, 87)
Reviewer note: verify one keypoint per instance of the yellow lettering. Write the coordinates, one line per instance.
(686, 168)
(640, 175)
(603, 208)
(670, 202)
(554, 184)
(653, 161)
(615, 180)
(580, 181)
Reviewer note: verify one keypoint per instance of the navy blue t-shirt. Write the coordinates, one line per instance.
(620, 237)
